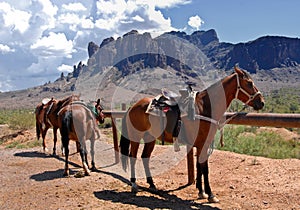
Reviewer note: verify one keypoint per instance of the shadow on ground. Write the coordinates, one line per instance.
(159, 200)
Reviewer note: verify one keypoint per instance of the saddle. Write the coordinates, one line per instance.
(172, 106)
(166, 106)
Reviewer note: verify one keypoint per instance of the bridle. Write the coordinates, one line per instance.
(239, 88)
(98, 113)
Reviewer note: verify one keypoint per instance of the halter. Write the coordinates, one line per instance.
(220, 125)
(239, 88)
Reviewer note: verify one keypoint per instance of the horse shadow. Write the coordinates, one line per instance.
(163, 201)
(47, 175)
(32, 154)
(158, 200)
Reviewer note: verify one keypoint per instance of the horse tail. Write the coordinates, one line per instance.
(37, 122)
(66, 127)
(124, 144)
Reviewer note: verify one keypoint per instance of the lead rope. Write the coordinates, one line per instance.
(221, 126)
(221, 129)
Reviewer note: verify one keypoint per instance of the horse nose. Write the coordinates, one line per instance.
(259, 105)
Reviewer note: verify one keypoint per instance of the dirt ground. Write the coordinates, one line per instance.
(32, 179)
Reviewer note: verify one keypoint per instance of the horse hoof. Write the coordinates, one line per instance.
(153, 189)
(93, 169)
(80, 174)
(213, 200)
(202, 196)
(134, 188)
(87, 173)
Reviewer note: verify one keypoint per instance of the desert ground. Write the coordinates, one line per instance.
(33, 179)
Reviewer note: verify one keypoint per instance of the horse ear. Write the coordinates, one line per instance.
(98, 101)
(238, 70)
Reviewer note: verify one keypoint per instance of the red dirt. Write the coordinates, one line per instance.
(31, 179)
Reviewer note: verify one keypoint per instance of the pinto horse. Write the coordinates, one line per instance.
(210, 106)
(46, 117)
(79, 123)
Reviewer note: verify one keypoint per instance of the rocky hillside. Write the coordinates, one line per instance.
(264, 53)
(140, 64)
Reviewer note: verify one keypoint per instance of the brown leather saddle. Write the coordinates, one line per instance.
(167, 104)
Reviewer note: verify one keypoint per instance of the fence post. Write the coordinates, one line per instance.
(115, 138)
(115, 134)
(190, 164)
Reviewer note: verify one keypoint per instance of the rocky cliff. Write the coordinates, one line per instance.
(263, 53)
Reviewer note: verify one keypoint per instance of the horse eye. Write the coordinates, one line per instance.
(250, 84)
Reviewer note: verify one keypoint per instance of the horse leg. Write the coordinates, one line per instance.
(44, 132)
(148, 148)
(207, 189)
(133, 154)
(93, 168)
(78, 146)
(83, 155)
(201, 194)
(54, 140)
(66, 146)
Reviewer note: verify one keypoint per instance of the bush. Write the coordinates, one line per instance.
(265, 143)
(18, 118)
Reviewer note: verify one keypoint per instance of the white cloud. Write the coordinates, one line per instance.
(53, 45)
(165, 3)
(138, 18)
(5, 83)
(49, 35)
(195, 22)
(13, 18)
(75, 7)
(65, 68)
(69, 18)
(5, 49)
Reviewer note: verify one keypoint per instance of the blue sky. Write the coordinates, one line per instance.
(239, 20)
(39, 39)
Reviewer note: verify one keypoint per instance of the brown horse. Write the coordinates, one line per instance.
(210, 106)
(46, 117)
(78, 122)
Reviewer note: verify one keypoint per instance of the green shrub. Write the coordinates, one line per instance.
(18, 118)
(245, 140)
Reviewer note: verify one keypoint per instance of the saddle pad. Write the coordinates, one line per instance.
(45, 101)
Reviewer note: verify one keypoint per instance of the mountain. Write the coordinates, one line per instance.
(138, 64)
(265, 53)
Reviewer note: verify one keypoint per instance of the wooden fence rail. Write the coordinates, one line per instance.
(253, 119)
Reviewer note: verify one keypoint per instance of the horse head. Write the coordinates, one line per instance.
(99, 111)
(246, 91)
